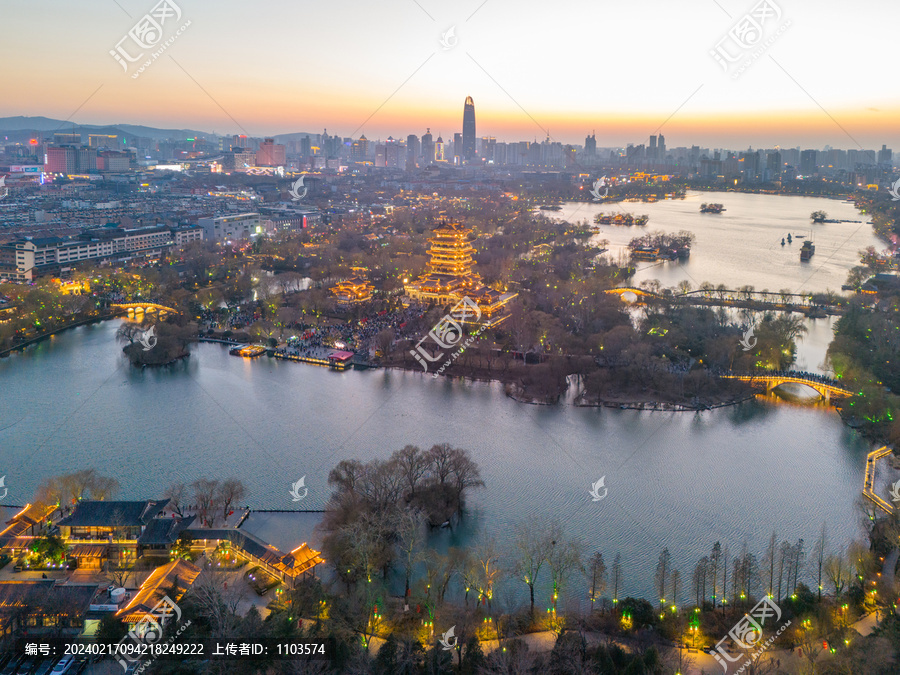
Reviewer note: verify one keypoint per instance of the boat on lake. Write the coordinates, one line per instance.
(711, 208)
(807, 250)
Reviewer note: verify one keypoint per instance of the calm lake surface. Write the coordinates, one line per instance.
(742, 245)
(681, 480)
(676, 480)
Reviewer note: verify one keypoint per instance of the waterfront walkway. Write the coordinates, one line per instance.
(869, 486)
(761, 300)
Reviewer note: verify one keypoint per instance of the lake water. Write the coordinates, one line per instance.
(742, 245)
(676, 480)
(681, 480)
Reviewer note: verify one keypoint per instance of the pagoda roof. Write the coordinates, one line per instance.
(452, 228)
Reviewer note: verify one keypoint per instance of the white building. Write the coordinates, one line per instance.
(242, 226)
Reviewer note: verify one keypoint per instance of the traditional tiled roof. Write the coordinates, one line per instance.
(292, 564)
(164, 530)
(46, 595)
(90, 513)
(172, 580)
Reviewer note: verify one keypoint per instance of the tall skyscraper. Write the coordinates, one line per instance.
(661, 148)
(590, 145)
(412, 151)
(469, 129)
(427, 148)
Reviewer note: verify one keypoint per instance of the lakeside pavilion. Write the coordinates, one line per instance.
(450, 275)
(355, 290)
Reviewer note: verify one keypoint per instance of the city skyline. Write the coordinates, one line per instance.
(533, 73)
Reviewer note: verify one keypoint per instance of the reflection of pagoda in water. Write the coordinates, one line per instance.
(449, 277)
(354, 290)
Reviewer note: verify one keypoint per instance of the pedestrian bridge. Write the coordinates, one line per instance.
(825, 387)
(145, 307)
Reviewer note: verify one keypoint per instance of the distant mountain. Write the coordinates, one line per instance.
(24, 126)
(19, 128)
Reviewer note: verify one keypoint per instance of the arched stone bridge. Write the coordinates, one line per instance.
(146, 307)
(825, 387)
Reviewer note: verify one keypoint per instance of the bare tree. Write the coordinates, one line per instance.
(597, 576)
(534, 541)
(229, 492)
(819, 553)
(565, 556)
(204, 499)
(413, 464)
(616, 577)
(410, 540)
(662, 576)
(176, 493)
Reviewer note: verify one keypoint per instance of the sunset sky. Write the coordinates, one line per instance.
(624, 69)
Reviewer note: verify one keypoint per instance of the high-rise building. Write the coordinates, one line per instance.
(885, 155)
(808, 162)
(469, 129)
(590, 145)
(412, 151)
(67, 139)
(359, 151)
(661, 148)
(457, 148)
(103, 141)
(85, 159)
(427, 148)
(439, 150)
(270, 154)
(60, 159)
(239, 141)
(651, 151)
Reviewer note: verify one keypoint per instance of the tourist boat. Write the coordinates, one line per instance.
(551, 207)
(620, 219)
(711, 208)
(645, 253)
(807, 250)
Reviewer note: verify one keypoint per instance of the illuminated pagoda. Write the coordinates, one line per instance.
(450, 277)
(354, 290)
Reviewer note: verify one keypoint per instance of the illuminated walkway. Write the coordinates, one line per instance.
(869, 487)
